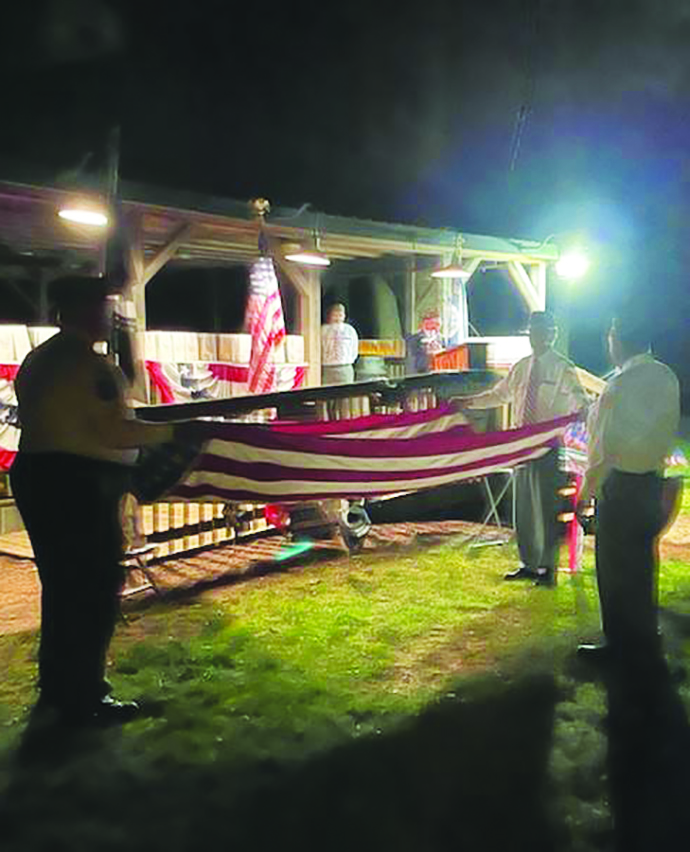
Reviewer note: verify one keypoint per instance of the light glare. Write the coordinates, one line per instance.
(454, 270)
(83, 216)
(308, 258)
(572, 265)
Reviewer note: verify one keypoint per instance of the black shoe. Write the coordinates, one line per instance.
(545, 577)
(105, 711)
(521, 573)
(596, 655)
(110, 711)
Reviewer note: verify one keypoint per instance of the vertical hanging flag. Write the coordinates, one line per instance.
(265, 322)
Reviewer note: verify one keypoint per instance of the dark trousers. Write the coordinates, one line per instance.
(70, 507)
(536, 510)
(629, 520)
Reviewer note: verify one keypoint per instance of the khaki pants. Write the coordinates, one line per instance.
(343, 374)
(536, 509)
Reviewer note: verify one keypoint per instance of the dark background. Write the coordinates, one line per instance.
(519, 118)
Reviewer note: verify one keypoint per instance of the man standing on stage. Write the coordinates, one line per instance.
(339, 348)
(631, 432)
(540, 387)
(68, 478)
(421, 347)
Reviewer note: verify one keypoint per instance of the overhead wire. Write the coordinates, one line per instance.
(532, 10)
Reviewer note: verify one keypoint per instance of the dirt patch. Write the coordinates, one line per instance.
(680, 530)
(19, 595)
(441, 658)
(214, 570)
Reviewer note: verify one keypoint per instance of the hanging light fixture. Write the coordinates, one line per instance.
(454, 269)
(311, 255)
(84, 213)
(308, 257)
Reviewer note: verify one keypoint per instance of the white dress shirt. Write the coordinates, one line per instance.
(634, 423)
(559, 391)
(339, 344)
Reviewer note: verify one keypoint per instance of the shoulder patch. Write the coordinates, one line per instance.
(106, 386)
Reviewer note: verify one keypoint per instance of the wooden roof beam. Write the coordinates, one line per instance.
(535, 301)
(166, 252)
(359, 244)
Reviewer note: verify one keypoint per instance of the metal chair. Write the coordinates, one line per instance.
(137, 559)
(479, 538)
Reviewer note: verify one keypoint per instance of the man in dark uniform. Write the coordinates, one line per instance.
(71, 471)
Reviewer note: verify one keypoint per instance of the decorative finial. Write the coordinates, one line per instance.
(260, 207)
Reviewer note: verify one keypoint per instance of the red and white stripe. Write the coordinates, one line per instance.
(532, 394)
(265, 322)
(218, 380)
(9, 432)
(284, 463)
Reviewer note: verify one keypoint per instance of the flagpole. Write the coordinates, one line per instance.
(116, 267)
(111, 182)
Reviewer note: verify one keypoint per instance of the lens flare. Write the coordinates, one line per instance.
(84, 216)
(572, 265)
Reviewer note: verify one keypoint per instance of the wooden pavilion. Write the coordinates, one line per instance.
(174, 229)
(169, 228)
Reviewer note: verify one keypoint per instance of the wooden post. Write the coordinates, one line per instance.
(471, 266)
(410, 294)
(537, 274)
(140, 273)
(43, 305)
(136, 293)
(307, 282)
(310, 325)
(525, 286)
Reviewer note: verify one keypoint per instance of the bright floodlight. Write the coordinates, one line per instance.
(572, 265)
(84, 216)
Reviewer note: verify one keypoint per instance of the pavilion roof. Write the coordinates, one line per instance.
(210, 230)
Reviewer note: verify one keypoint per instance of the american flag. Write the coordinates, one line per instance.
(380, 454)
(264, 321)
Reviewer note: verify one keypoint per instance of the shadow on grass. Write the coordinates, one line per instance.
(648, 765)
(303, 553)
(464, 774)
(280, 563)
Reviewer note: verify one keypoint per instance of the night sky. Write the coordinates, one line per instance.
(520, 118)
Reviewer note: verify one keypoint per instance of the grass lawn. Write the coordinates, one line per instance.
(405, 699)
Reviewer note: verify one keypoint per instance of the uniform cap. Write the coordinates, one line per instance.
(75, 289)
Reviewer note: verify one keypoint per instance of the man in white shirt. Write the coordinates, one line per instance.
(540, 387)
(339, 348)
(631, 432)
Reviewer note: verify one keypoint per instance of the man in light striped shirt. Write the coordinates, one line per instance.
(540, 387)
